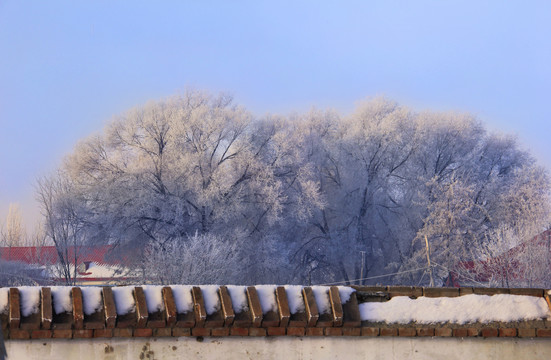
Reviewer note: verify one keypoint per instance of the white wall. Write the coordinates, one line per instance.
(281, 348)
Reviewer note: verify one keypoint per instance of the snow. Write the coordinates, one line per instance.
(154, 298)
(458, 310)
(4, 299)
(182, 298)
(211, 298)
(62, 299)
(91, 299)
(345, 292)
(124, 299)
(266, 295)
(321, 294)
(29, 297)
(295, 298)
(238, 295)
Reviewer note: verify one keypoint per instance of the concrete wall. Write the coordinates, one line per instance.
(393, 348)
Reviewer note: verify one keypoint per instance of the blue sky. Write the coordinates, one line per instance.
(67, 67)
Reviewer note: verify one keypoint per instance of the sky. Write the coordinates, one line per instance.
(68, 67)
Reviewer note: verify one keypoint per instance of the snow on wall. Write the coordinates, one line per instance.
(91, 299)
(458, 310)
(182, 298)
(321, 294)
(238, 295)
(345, 292)
(295, 298)
(4, 299)
(211, 298)
(124, 299)
(154, 298)
(266, 295)
(30, 298)
(61, 297)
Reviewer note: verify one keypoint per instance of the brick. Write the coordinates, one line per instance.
(460, 332)
(473, 332)
(14, 310)
(312, 312)
(444, 332)
(62, 334)
(465, 291)
(178, 332)
(389, 332)
(162, 332)
(370, 331)
(331, 331)
(141, 307)
(200, 332)
(41, 334)
(46, 307)
(83, 334)
(199, 306)
(143, 332)
(296, 331)
(170, 306)
(239, 331)
(282, 306)
(17, 334)
(351, 313)
(524, 333)
(122, 332)
(220, 332)
(103, 333)
(276, 331)
(527, 292)
(489, 332)
(407, 332)
(441, 292)
(254, 306)
(78, 315)
(227, 307)
(257, 331)
(490, 291)
(425, 332)
(109, 307)
(336, 305)
(405, 291)
(543, 332)
(508, 332)
(315, 331)
(346, 331)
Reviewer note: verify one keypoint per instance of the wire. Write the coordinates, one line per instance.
(375, 277)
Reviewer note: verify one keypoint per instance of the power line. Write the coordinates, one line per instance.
(376, 277)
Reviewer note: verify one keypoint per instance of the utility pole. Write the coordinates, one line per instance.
(428, 261)
(363, 267)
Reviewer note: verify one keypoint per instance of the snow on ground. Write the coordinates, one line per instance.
(211, 298)
(4, 299)
(30, 297)
(238, 296)
(295, 298)
(154, 298)
(457, 310)
(62, 299)
(182, 298)
(91, 299)
(321, 294)
(345, 292)
(124, 299)
(266, 295)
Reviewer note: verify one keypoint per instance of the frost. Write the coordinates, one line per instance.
(239, 299)
(124, 299)
(458, 310)
(321, 294)
(345, 292)
(61, 296)
(295, 298)
(91, 299)
(182, 298)
(154, 298)
(266, 295)
(30, 297)
(211, 298)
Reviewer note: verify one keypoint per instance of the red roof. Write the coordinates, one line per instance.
(47, 255)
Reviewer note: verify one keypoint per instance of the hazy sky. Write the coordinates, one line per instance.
(67, 67)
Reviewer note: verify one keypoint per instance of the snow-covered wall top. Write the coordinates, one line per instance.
(270, 310)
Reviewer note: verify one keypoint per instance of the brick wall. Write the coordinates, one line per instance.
(343, 319)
